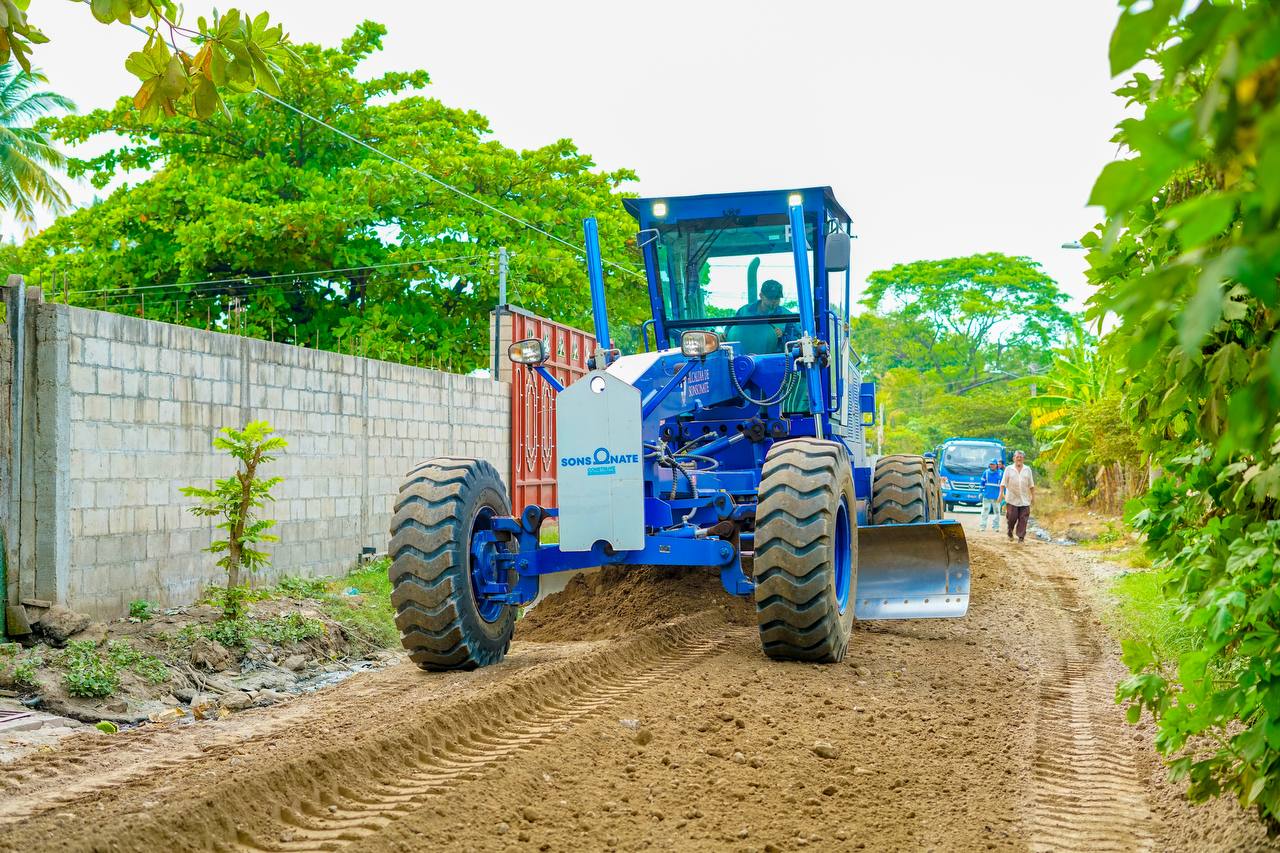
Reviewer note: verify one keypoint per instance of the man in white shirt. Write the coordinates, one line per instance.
(1017, 489)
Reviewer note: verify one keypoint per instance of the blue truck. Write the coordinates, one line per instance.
(961, 462)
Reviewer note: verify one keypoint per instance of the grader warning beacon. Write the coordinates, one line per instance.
(737, 442)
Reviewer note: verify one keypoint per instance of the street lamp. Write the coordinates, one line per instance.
(1074, 244)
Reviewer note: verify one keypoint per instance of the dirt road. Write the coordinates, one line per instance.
(997, 732)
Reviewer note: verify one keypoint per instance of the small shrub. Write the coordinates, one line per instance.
(88, 674)
(229, 632)
(303, 587)
(142, 610)
(237, 501)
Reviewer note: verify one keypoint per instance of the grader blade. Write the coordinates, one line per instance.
(912, 571)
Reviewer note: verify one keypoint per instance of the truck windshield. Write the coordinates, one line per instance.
(733, 267)
(969, 458)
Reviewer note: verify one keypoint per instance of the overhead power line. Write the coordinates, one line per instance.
(266, 277)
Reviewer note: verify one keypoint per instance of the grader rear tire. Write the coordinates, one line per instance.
(900, 490)
(442, 504)
(806, 558)
(935, 488)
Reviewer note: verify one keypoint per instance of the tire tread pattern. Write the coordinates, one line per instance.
(796, 606)
(900, 490)
(430, 569)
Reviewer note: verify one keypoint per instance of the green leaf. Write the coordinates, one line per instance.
(140, 65)
(206, 100)
(173, 84)
(1202, 218)
(1201, 313)
(1135, 34)
(103, 10)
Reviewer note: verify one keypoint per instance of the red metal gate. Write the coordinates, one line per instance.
(533, 403)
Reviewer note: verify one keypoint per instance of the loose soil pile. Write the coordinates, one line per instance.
(618, 601)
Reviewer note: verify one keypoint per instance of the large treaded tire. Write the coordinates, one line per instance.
(806, 507)
(935, 488)
(441, 503)
(900, 490)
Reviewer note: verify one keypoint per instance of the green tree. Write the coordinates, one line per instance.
(1187, 261)
(405, 266)
(992, 306)
(1079, 421)
(237, 501)
(233, 53)
(26, 157)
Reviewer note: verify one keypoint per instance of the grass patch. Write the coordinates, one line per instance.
(1142, 611)
(303, 587)
(367, 616)
(124, 656)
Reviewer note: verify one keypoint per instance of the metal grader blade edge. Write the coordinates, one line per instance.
(912, 571)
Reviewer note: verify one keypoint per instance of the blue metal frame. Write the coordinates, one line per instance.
(595, 275)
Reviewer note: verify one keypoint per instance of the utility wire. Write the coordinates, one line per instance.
(243, 278)
(241, 290)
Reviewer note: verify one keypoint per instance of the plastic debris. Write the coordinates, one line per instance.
(168, 715)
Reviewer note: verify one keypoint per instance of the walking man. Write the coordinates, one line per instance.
(1018, 488)
(990, 497)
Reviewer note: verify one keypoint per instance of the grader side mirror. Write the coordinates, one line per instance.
(530, 351)
(837, 253)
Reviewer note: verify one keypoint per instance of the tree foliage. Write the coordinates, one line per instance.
(305, 237)
(233, 52)
(912, 362)
(1188, 261)
(27, 159)
(986, 309)
(1080, 424)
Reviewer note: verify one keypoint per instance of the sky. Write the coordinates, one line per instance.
(945, 128)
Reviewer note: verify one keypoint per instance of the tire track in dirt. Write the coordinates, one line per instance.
(341, 816)
(1087, 792)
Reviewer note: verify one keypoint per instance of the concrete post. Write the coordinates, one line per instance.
(51, 448)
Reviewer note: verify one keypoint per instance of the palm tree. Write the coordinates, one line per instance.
(26, 157)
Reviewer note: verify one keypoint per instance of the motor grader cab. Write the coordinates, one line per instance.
(736, 441)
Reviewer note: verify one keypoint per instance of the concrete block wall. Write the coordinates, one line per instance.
(143, 402)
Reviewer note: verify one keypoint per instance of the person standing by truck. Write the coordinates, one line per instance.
(990, 497)
(1018, 488)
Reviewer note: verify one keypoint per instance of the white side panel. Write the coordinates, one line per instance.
(599, 464)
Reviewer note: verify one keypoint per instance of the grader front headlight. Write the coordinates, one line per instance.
(696, 344)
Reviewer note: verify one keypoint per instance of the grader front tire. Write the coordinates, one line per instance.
(442, 504)
(806, 559)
